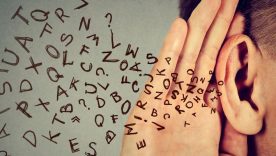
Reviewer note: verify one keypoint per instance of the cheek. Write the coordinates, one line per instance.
(264, 88)
(269, 87)
(267, 139)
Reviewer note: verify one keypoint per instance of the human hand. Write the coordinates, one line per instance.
(176, 115)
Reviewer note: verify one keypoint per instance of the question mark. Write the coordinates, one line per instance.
(110, 18)
(101, 69)
(82, 101)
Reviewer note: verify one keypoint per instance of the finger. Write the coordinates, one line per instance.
(168, 55)
(233, 143)
(198, 25)
(213, 41)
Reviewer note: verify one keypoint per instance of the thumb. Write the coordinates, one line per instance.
(232, 143)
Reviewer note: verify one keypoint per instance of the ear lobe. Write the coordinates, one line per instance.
(236, 66)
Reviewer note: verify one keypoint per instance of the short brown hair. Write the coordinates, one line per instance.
(261, 23)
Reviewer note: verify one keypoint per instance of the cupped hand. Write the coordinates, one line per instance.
(178, 111)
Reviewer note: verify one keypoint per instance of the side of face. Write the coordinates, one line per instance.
(248, 96)
(265, 140)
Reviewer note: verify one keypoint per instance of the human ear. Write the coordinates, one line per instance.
(236, 67)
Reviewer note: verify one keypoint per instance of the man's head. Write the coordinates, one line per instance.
(247, 65)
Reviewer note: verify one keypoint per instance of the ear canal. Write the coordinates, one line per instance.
(235, 68)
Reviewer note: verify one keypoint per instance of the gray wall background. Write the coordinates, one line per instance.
(140, 23)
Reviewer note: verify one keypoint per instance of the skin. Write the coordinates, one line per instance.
(192, 45)
(265, 141)
(196, 44)
(261, 76)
